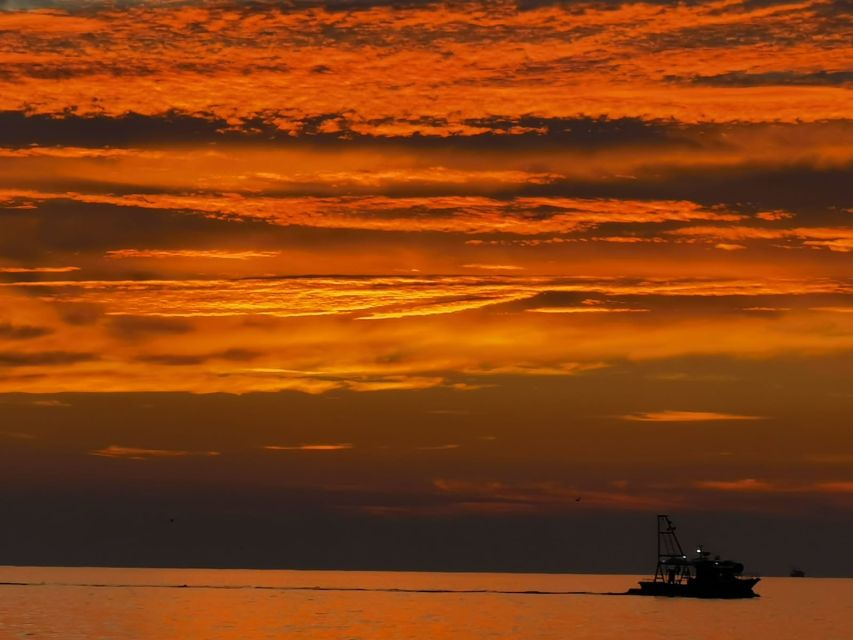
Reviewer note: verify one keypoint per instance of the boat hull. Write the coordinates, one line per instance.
(740, 588)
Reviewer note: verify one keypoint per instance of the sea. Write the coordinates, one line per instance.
(220, 604)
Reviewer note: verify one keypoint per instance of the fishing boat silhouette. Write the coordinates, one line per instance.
(677, 575)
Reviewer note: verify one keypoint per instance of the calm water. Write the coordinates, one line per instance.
(148, 604)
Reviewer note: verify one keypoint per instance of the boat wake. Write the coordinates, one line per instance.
(525, 592)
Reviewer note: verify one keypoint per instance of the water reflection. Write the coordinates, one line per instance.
(51, 606)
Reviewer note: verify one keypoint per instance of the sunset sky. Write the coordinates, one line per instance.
(421, 285)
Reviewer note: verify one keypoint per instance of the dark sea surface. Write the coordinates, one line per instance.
(212, 604)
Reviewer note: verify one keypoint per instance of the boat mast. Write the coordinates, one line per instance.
(672, 563)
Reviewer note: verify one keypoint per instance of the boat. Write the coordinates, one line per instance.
(700, 577)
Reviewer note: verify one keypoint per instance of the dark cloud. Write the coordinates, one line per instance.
(173, 360)
(818, 195)
(22, 331)
(251, 6)
(76, 6)
(744, 33)
(541, 135)
(794, 188)
(44, 358)
(69, 226)
(529, 5)
(238, 355)
(180, 360)
(355, 5)
(18, 129)
(78, 314)
(51, 72)
(697, 306)
(24, 5)
(138, 327)
(840, 11)
(792, 78)
(574, 5)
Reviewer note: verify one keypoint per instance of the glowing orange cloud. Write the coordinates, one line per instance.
(309, 447)
(38, 269)
(834, 309)
(835, 239)
(686, 416)
(218, 254)
(398, 296)
(493, 267)
(618, 67)
(135, 453)
(323, 334)
(456, 214)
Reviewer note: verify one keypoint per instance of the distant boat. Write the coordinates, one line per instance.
(700, 577)
(797, 573)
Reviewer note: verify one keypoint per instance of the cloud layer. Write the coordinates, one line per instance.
(344, 273)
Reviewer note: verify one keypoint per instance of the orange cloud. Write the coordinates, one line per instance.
(745, 484)
(686, 416)
(135, 453)
(835, 239)
(493, 267)
(548, 60)
(38, 269)
(842, 245)
(305, 334)
(77, 153)
(385, 296)
(217, 254)
(834, 309)
(309, 447)
(446, 214)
